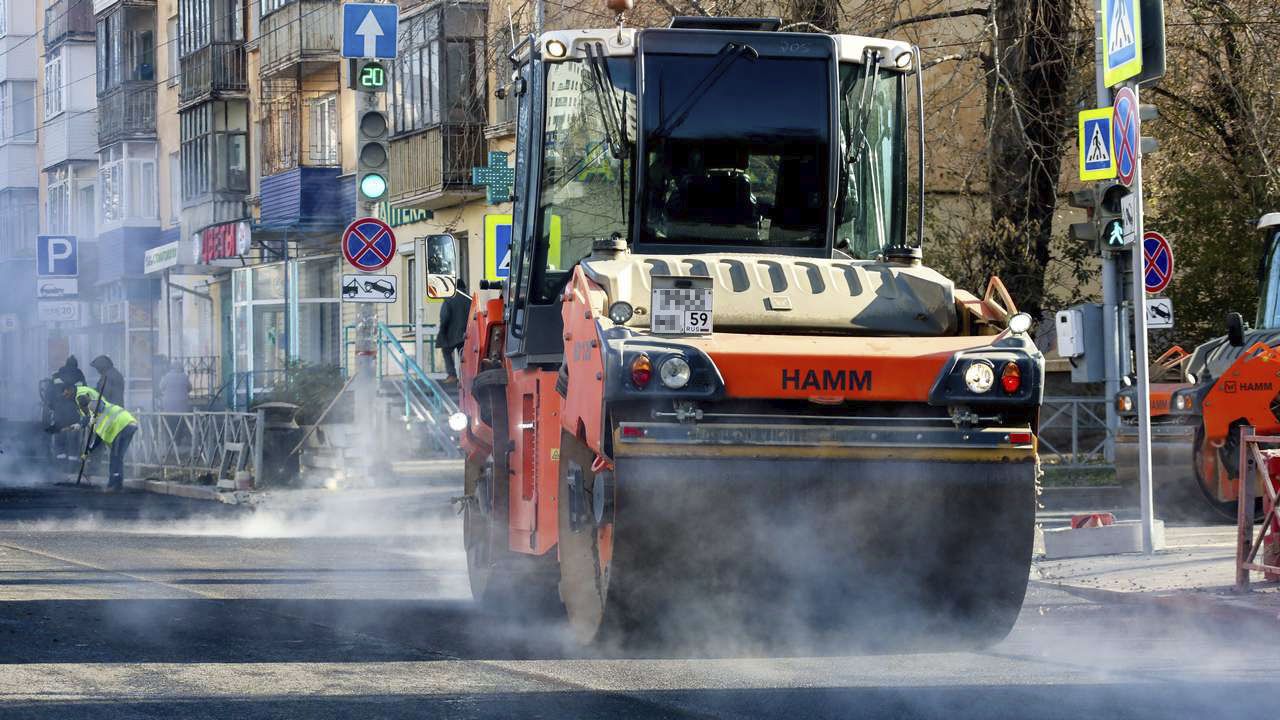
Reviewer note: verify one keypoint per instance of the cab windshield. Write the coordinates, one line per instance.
(1269, 303)
(737, 150)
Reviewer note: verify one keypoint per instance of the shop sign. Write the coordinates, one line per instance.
(58, 311)
(228, 241)
(399, 217)
(160, 258)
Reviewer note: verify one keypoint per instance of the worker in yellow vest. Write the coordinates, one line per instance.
(111, 424)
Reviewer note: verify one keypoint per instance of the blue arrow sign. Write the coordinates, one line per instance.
(369, 30)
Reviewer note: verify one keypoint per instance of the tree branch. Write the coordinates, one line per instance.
(929, 17)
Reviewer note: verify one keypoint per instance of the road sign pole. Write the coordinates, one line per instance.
(366, 390)
(419, 285)
(1141, 355)
(1110, 278)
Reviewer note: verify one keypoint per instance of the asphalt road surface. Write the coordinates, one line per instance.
(356, 605)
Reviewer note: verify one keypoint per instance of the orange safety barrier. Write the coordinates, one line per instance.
(1266, 466)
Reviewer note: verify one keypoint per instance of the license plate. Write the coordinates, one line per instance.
(681, 305)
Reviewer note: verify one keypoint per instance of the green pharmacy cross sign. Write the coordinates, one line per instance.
(496, 177)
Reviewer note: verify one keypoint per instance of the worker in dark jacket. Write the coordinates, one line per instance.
(453, 329)
(64, 411)
(111, 381)
(70, 372)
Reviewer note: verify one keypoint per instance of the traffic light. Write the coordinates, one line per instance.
(373, 131)
(1085, 232)
(1105, 229)
(1109, 218)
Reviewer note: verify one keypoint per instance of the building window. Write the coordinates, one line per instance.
(54, 90)
(58, 206)
(21, 212)
(270, 6)
(415, 87)
(126, 47)
(127, 176)
(437, 78)
(215, 149)
(70, 207)
(279, 129)
(17, 112)
(201, 22)
(324, 130)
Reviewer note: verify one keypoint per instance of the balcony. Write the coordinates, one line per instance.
(433, 168)
(314, 196)
(213, 71)
(306, 32)
(68, 20)
(127, 112)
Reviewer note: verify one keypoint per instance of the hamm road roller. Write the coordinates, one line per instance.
(720, 382)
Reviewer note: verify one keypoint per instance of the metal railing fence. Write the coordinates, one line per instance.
(188, 445)
(1073, 432)
(425, 401)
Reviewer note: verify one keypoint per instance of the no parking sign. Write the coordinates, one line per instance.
(1157, 262)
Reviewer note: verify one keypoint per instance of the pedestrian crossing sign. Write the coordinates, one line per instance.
(1121, 40)
(497, 246)
(1097, 157)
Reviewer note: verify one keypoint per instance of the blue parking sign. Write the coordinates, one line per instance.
(369, 30)
(57, 256)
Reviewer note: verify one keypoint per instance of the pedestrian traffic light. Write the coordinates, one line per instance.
(372, 130)
(1113, 231)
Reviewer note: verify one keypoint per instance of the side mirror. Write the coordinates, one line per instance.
(1235, 329)
(442, 266)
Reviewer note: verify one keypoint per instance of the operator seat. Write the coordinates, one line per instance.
(719, 197)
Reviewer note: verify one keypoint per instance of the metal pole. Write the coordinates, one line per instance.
(1244, 512)
(168, 317)
(539, 17)
(419, 257)
(1141, 357)
(365, 385)
(1110, 277)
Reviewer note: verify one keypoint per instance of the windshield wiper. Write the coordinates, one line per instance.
(614, 110)
(858, 119)
(615, 116)
(724, 60)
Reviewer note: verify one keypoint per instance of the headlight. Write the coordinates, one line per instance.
(1124, 403)
(1182, 402)
(557, 49)
(675, 372)
(620, 313)
(458, 422)
(1019, 324)
(979, 377)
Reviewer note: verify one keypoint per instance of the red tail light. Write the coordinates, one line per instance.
(1011, 378)
(641, 371)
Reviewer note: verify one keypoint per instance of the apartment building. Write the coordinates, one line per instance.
(23, 340)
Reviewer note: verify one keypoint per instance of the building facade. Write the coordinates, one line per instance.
(202, 154)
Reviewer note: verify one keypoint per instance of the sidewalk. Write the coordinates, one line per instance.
(444, 475)
(1194, 573)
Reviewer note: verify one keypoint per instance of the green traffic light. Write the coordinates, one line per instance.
(373, 186)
